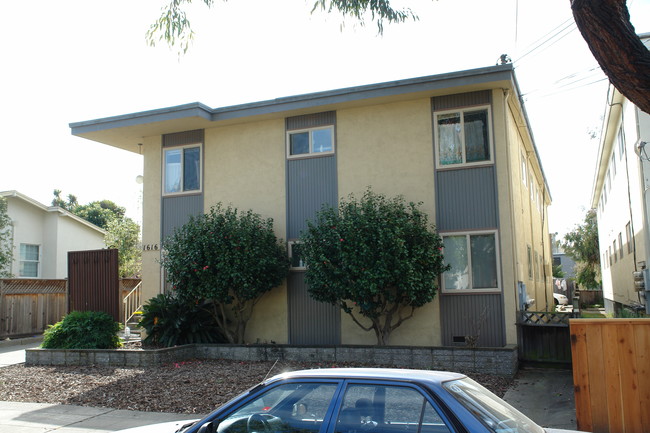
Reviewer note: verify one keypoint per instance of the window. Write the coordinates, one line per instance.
(537, 268)
(530, 263)
(614, 250)
(473, 261)
(29, 260)
(629, 238)
(613, 163)
(182, 169)
(314, 141)
(295, 256)
(463, 136)
(620, 245)
(523, 170)
(387, 409)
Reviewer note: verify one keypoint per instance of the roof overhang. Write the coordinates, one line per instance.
(126, 131)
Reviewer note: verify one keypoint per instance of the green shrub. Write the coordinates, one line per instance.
(83, 330)
(170, 321)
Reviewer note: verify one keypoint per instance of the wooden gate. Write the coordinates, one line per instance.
(94, 282)
(544, 337)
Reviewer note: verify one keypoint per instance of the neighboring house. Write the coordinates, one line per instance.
(459, 143)
(43, 235)
(567, 264)
(620, 197)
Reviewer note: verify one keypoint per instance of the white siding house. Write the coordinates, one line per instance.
(43, 235)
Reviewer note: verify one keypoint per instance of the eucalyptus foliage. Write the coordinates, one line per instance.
(376, 258)
(228, 257)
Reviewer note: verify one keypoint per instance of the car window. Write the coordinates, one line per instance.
(387, 409)
(492, 411)
(287, 408)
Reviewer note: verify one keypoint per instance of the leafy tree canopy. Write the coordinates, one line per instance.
(228, 257)
(375, 257)
(582, 246)
(121, 231)
(6, 241)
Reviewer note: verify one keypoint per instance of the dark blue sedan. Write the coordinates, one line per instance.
(361, 400)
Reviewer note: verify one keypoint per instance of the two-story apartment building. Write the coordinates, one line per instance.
(460, 143)
(43, 235)
(620, 196)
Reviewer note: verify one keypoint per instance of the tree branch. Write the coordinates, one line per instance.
(605, 26)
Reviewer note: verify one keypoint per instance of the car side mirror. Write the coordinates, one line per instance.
(208, 427)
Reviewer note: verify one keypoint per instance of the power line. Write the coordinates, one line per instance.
(550, 41)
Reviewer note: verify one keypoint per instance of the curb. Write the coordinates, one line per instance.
(21, 341)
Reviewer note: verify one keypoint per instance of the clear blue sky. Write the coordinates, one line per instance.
(76, 60)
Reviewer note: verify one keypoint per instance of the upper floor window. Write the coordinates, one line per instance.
(463, 136)
(313, 141)
(524, 170)
(473, 261)
(29, 260)
(182, 169)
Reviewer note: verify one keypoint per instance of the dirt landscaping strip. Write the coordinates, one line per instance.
(195, 386)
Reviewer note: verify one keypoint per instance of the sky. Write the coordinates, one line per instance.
(78, 60)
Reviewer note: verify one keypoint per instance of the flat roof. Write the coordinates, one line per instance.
(127, 130)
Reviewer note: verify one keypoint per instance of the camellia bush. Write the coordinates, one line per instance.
(83, 330)
(376, 258)
(229, 258)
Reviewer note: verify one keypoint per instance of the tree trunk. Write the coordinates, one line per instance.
(605, 26)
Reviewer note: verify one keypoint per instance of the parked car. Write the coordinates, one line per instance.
(560, 299)
(361, 400)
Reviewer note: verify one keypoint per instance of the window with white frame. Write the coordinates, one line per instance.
(463, 136)
(310, 142)
(182, 168)
(621, 143)
(29, 260)
(297, 262)
(473, 261)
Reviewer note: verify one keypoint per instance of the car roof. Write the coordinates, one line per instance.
(429, 376)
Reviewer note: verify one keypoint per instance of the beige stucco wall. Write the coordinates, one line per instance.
(245, 167)
(523, 225)
(389, 147)
(151, 194)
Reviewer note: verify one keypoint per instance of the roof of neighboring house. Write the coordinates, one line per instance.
(128, 130)
(55, 209)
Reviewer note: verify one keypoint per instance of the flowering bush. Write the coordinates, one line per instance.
(374, 257)
(229, 258)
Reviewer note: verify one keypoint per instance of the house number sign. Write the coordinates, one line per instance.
(150, 247)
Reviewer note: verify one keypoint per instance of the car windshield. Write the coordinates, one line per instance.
(495, 413)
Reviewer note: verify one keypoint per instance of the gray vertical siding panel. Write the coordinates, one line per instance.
(310, 322)
(474, 314)
(311, 120)
(466, 199)
(468, 99)
(176, 211)
(181, 138)
(311, 182)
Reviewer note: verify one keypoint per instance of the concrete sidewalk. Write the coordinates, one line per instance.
(546, 396)
(13, 351)
(40, 418)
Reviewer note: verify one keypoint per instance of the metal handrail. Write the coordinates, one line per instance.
(132, 302)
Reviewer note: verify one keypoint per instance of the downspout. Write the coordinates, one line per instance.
(513, 232)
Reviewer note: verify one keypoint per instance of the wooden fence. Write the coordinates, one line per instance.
(28, 306)
(611, 374)
(543, 336)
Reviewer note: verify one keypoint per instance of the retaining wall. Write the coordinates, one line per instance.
(501, 361)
